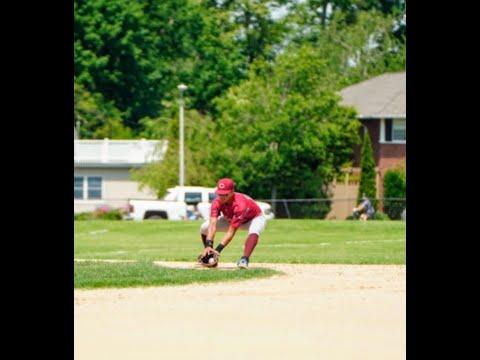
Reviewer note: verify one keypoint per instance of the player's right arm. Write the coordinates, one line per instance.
(212, 227)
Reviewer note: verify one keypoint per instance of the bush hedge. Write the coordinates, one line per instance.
(394, 185)
(99, 214)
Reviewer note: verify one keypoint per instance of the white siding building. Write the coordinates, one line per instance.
(102, 171)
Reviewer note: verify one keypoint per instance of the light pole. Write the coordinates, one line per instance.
(78, 129)
(182, 88)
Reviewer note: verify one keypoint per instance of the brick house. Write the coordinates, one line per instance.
(381, 107)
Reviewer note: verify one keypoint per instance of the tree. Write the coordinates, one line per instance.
(215, 61)
(114, 55)
(368, 174)
(370, 45)
(289, 103)
(132, 55)
(320, 12)
(257, 32)
(160, 176)
(97, 118)
(136, 53)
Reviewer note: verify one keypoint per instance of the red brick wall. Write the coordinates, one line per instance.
(373, 127)
(391, 155)
(386, 155)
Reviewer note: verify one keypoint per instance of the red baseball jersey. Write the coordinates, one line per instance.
(242, 209)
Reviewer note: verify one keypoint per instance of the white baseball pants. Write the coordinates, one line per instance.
(254, 226)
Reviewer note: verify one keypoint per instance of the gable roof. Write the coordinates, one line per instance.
(383, 96)
(118, 153)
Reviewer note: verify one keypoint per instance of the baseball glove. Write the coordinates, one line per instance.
(206, 260)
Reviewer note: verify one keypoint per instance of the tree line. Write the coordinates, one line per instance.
(263, 76)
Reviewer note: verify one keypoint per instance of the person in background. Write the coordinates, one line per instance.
(365, 209)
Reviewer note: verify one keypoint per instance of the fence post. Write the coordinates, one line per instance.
(286, 208)
(274, 196)
(379, 194)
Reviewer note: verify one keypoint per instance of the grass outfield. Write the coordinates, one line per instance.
(91, 275)
(284, 241)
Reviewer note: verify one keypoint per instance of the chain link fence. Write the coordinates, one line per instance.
(339, 209)
(386, 208)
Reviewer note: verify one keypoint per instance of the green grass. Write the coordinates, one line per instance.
(284, 241)
(91, 275)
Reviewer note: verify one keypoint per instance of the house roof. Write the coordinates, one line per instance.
(383, 96)
(118, 153)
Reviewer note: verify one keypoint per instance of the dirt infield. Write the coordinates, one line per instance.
(312, 312)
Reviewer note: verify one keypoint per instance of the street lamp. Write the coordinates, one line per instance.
(182, 88)
(78, 129)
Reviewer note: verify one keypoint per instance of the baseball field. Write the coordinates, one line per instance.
(314, 289)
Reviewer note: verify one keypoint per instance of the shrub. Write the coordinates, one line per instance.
(380, 216)
(83, 216)
(111, 214)
(368, 174)
(102, 213)
(394, 185)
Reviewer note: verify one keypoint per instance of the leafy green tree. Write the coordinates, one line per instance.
(290, 105)
(113, 55)
(257, 32)
(97, 118)
(162, 175)
(319, 12)
(136, 53)
(368, 174)
(214, 61)
(356, 50)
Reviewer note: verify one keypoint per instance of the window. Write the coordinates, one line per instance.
(87, 187)
(94, 187)
(394, 130)
(193, 197)
(211, 197)
(399, 128)
(78, 187)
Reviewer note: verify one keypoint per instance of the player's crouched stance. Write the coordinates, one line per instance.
(231, 211)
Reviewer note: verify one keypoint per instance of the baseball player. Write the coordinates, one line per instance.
(365, 208)
(231, 211)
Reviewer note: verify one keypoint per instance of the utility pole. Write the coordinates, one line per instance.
(78, 129)
(182, 88)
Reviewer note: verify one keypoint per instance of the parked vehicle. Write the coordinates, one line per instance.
(181, 202)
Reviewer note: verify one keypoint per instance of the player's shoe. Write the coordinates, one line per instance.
(243, 263)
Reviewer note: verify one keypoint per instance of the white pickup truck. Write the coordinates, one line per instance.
(180, 203)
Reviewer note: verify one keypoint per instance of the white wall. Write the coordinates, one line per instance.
(118, 187)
